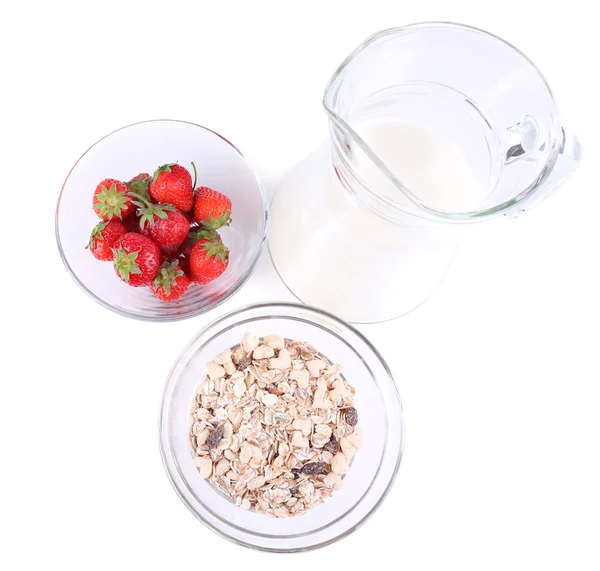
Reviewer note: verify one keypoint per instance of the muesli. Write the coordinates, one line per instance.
(273, 425)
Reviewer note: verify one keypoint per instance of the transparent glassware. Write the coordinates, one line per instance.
(142, 147)
(432, 127)
(373, 469)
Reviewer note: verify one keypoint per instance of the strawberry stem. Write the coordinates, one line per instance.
(147, 210)
(139, 186)
(140, 197)
(195, 176)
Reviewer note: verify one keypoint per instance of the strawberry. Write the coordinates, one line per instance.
(132, 224)
(193, 236)
(211, 208)
(112, 198)
(190, 216)
(105, 236)
(172, 183)
(139, 185)
(184, 264)
(137, 259)
(208, 260)
(171, 282)
(163, 223)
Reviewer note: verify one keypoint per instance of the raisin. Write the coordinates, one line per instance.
(332, 446)
(313, 468)
(351, 416)
(214, 437)
(244, 364)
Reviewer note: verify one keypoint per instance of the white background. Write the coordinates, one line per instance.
(498, 372)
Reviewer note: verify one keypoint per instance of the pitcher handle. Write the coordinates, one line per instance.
(568, 159)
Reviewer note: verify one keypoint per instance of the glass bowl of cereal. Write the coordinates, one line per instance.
(281, 427)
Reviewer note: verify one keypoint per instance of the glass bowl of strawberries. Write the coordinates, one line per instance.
(161, 220)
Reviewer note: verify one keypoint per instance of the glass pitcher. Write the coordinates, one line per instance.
(433, 126)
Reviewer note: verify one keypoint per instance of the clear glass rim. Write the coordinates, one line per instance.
(167, 318)
(428, 212)
(212, 330)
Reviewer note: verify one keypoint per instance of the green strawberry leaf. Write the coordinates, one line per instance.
(167, 276)
(140, 187)
(163, 168)
(197, 234)
(125, 264)
(111, 202)
(215, 223)
(148, 211)
(96, 234)
(216, 249)
(145, 217)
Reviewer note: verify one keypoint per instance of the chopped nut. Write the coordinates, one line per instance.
(339, 464)
(283, 360)
(347, 447)
(275, 341)
(263, 352)
(320, 400)
(355, 438)
(205, 465)
(301, 377)
(223, 358)
(249, 342)
(230, 368)
(333, 481)
(214, 371)
(315, 366)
